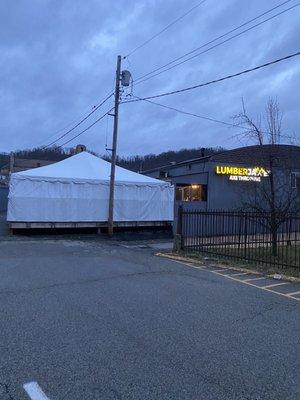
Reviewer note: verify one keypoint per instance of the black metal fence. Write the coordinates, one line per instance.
(241, 235)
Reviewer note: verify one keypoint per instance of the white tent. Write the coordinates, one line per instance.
(77, 190)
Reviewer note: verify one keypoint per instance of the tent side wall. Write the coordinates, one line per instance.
(44, 200)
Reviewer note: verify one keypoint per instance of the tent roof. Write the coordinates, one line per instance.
(85, 166)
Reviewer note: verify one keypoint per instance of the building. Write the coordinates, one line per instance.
(221, 180)
(19, 164)
(13, 164)
(9, 163)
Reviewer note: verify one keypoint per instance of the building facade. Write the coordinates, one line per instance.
(222, 181)
(15, 164)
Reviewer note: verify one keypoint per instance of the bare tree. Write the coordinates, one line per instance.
(274, 196)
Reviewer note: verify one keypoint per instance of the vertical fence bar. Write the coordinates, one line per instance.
(240, 235)
(180, 233)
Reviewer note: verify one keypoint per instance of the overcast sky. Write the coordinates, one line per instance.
(58, 57)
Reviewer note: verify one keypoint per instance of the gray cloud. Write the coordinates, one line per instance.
(58, 60)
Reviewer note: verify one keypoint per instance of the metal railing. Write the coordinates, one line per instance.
(242, 235)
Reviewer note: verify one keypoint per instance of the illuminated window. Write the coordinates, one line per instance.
(163, 174)
(194, 192)
(296, 180)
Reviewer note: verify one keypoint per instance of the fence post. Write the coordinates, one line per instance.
(245, 235)
(178, 242)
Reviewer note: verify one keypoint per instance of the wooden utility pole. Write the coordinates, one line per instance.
(114, 151)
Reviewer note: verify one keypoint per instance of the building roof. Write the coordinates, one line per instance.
(174, 165)
(21, 164)
(30, 163)
(283, 155)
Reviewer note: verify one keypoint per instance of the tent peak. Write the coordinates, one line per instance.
(86, 166)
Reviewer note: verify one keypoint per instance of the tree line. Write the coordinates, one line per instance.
(134, 163)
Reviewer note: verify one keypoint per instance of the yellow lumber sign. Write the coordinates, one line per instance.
(242, 173)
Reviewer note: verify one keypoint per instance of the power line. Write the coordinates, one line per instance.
(152, 73)
(86, 129)
(80, 122)
(204, 117)
(164, 69)
(187, 112)
(164, 29)
(216, 80)
(74, 121)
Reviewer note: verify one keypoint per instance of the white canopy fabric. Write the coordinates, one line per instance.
(77, 190)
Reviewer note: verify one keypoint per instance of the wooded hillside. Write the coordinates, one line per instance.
(134, 163)
(149, 161)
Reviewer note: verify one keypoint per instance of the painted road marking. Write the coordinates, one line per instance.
(244, 281)
(34, 391)
(276, 284)
(241, 273)
(293, 294)
(259, 287)
(255, 279)
(190, 265)
(218, 270)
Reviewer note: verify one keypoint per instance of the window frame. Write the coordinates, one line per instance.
(180, 187)
(294, 177)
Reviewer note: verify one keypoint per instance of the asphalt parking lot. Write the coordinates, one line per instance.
(96, 319)
(3, 225)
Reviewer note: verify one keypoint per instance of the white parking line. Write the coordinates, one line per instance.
(34, 391)
(224, 272)
(276, 284)
(288, 295)
(219, 270)
(189, 265)
(293, 294)
(255, 279)
(240, 273)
